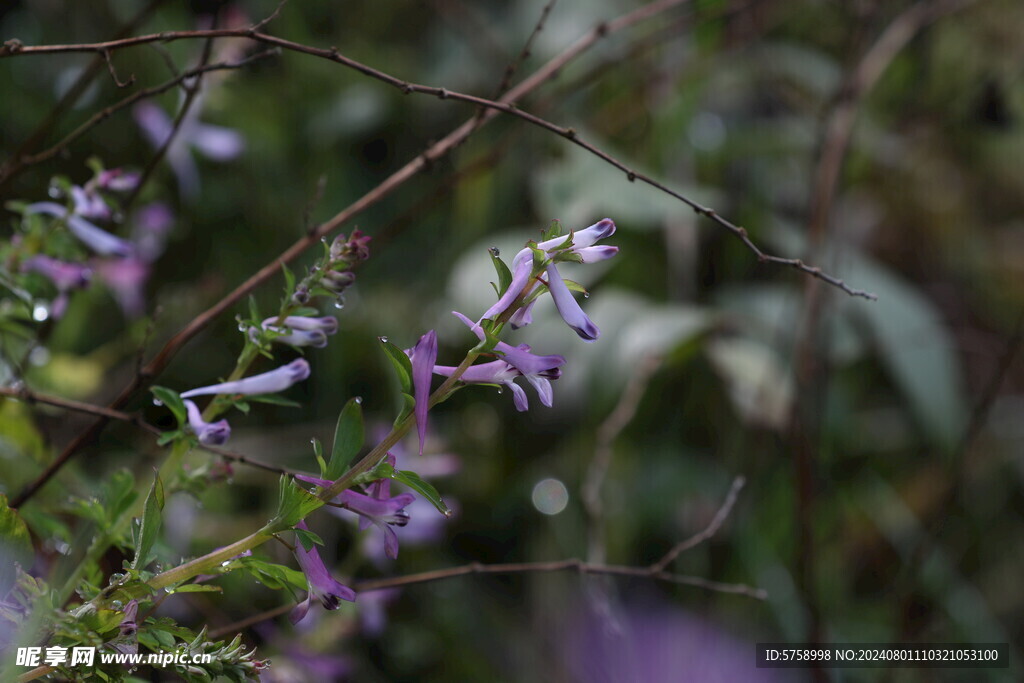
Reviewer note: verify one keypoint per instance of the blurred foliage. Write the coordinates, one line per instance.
(914, 524)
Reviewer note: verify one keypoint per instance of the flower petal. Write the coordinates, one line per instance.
(567, 307)
(520, 276)
(518, 396)
(423, 358)
(266, 383)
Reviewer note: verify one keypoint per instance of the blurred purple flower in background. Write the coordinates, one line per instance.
(65, 276)
(97, 239)
(653, 643)
(214, 142)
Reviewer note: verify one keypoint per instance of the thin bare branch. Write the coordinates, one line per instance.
(113, 72)
(607, 433)
(104, 114)
(374, 196)
(136, 420)
(712, 528)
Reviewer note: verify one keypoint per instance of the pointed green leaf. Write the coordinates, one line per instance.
(307, 538)
(254, 313)
(318, 453)
(150, 527)
(273, 399)
(413, 481)
(504, 274)
(553, 231)
(294, 503)
(197, 588)
(402, 364)
(408, 404)
(348, 438)
(171, 399)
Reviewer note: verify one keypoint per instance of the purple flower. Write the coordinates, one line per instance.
(423, 357)
(117, 180)
(517, 356)
(567, 307)
(583, 249)
(214, 142)
(378, 508)
(266, 383)
(65, 276)
(502, 373)
(100, 241)
(209, 433)
(322, 585)
(126, 278)
(301, 331)
(89, 204)
(152, 223)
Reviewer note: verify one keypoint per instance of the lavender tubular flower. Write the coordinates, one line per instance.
(423, 357)
(517, 356)
(382, 512)
(266, 383)
(567, 307)
(65, 276)
(301, 331)
(322, 585)
(520, 277)
(100, 241)
(502, 373)
(209, 433)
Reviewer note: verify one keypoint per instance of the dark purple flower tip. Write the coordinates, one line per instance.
(322, 585)
(423, 357)
(209, 433)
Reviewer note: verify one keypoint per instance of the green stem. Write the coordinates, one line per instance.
(209, 561)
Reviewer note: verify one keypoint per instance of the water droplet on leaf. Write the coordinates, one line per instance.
(40, 312)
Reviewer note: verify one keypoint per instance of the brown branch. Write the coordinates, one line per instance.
(477, 568)
(12, 166)
(607, 433)
(104, 114)
(505, 105)
(524, 54)
(113, 72)
(136, 420)
(560, 566)
(191, 93)
(712, 528)
(374, 196)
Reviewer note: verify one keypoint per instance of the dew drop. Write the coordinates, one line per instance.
(340, 303)
(500, 391)
(383, 340)
(40, 312)
(54, 192)
(157, 402)
(358, 400)
(586, 295)
(225, 563)
(241, 327)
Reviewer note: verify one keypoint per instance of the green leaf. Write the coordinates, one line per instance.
(348, 438)
(150, 527)
(289, 280)
(318, 452)
(294, 503)
(254, 312)
(15, 546)
(402, 364)
(307, 538)
(415, 482)
(408, 405)
(197, 588)
(504, 274)
(553, 231)
(274, 576)
(273, 399)
(575, 286)
(171, 399)
(167, 437)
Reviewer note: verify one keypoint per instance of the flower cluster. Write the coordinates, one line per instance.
(123, 265)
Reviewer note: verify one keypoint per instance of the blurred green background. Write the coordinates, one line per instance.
(881, 441)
